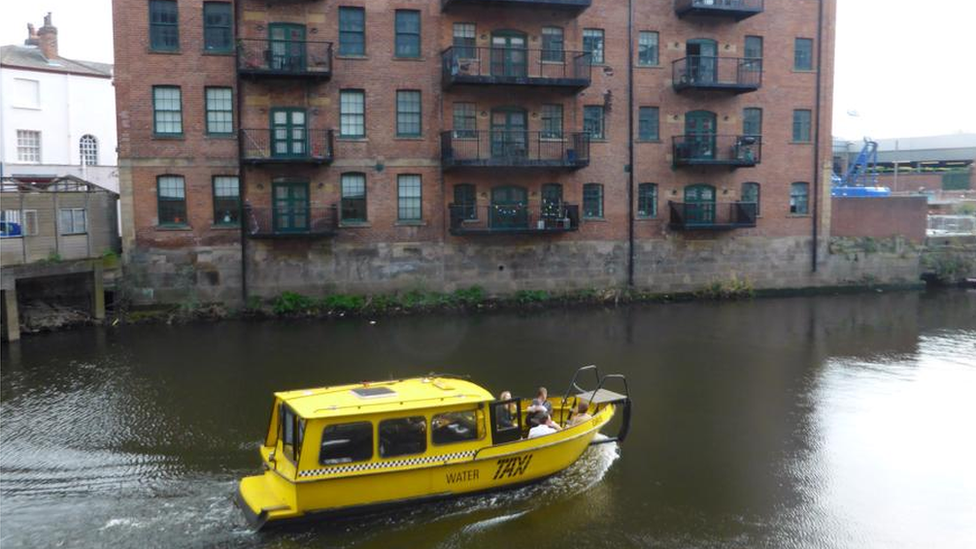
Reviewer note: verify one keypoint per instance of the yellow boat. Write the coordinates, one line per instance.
(359, 448)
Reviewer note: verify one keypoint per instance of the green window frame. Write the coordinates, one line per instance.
(593, 44)
(218, 27)
(752, 121)
(647, 200)
(352, 201)
(552, 201)
(164, 25)
(648, 124)
(801, 125)
(593, 121)
(219, 104)
(751, 193)
(289, 132)
(553, 45)
(407, 36)
(552, 122)
(290, 206)
(465, 41)
(409, 197)
(803, 54)
(167, 111)
(408, 112)
(352, 114)
(171, 200)
(226, 200)
(800, 198)
(647, 49)
(465, 121)
(352, 31)
(592, 201)
(465, 200)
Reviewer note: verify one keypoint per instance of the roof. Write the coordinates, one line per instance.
(394, 396)
(65, 183)
(31, 58)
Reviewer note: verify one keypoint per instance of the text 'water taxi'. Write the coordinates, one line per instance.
(357, 448)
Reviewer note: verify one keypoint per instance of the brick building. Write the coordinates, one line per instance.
(315, 146)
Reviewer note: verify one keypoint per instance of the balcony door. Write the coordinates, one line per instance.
(291, 207)
(509, 208)
(699, 135)
(287, 47)
(509, 57)
(700, 204)
(289, 133)
(702, 55)
(509, 138)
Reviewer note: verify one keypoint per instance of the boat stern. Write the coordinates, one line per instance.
(259, 502)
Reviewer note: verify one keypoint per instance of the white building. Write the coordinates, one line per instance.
(57, 115)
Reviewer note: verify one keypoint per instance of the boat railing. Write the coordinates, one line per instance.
(607, 397)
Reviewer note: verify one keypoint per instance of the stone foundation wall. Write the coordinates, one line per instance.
(201, 275)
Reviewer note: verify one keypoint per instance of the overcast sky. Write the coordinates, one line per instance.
(904, 68)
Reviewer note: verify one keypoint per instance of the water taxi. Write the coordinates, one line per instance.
(363, 447)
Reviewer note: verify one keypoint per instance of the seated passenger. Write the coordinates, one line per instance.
(505, 414)
(545, 427)
(581, 416)
(540, 405)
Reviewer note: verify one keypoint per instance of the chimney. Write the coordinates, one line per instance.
(31, 35)
(48, 38)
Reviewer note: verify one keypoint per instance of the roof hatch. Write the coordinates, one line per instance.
(373, 392)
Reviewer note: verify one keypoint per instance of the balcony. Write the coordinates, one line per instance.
(568, 70)
(712, 216)
(571, 5)
(725, 74)
(716, 150)
(286, 146)
(291, 222)
(284, 59)
(470, 220)
(734, 9)
(514, 149)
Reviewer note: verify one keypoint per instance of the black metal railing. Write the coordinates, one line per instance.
(513, 218)
(291, 58)
(737, 9)
(717, 73)
(291, 221)
(286, 145)
(507, 148)
(712, 215)
(551, 4)
(719, 150)
(515, 66)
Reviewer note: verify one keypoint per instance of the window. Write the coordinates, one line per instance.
(167, 110)
(465, 121)
(753, 54)
(454, 427)
(408, 198)
(647, 49)
(352, 113)
(552, 201)
(164, 30)
(407, 33)
(220, 111)
(88, 149)
(593, 121)
(18, 223)
(353, 199)
(218, 33)
(648, 124)
(352, 31)
(593, 44)
(27, 93)
(803, 54)
(751, 121)
(403, 436)
(28, 146)
(799, 198)
(292, 432)
(464, 41)
(226, 200)
(171, 200)
(750, 194)
(552, 122)
(801, 126)
(552, 44)
(408, 113)
(346, 443)
(465, 202)
(592, 201)
(647, 200)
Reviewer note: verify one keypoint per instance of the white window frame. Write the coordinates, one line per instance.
(74, 215)
(29, 146)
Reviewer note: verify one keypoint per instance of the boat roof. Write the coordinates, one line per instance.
(383, 396)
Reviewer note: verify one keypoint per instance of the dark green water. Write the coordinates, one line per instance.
(844, 421)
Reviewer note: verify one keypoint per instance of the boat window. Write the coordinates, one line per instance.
(402, 436)
(346, 442)
(454, 427)
(292, 432)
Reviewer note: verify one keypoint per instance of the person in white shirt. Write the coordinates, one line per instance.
(546, 427)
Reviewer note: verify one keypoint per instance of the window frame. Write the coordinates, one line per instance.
(29, 152)
(229, 27)
(796, 196)
(463, 49)
(463, 116)
(469, 211)
(799, 54)
(343, 198)
(229, 110)
(402, 95)
(372, 443)
(599, 189)
(642, 196)
(217, 221)
(642, 47)
(25, 219)
(361, 32)
(552, 35)
(746, 122)
(408, 36)
(758, 201)
(157, 111)
(73, 214)
(641, 135)
(602, 134)
(361, 115)
(548, 119)
(478, 433)
(155, 6)
(88, 147)
(160, 201)
(406, 202)
(379, 437)
(802, 130)
(600, 36)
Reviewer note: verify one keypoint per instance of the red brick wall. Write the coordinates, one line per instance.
(880, 217)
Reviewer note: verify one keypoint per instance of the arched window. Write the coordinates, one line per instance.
(750, 194)
(89, 150)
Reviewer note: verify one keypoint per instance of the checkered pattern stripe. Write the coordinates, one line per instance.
(357, 467)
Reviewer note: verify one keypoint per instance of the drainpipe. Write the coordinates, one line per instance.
(816, 141)
(242, 187)
(630, 143)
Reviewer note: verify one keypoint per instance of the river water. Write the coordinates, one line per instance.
(834, 422)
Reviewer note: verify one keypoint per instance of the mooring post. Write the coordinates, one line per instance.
(11, 316)
(98, 290)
